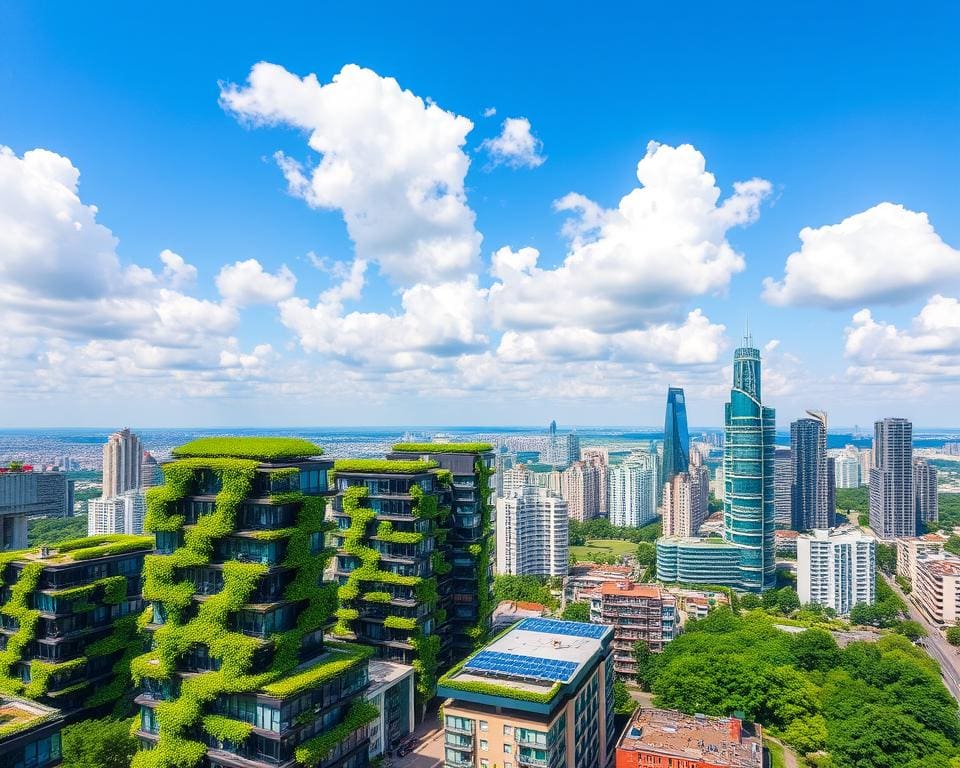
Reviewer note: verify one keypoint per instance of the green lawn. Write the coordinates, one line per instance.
(604, 547)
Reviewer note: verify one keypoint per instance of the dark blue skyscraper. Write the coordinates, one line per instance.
(676, 440)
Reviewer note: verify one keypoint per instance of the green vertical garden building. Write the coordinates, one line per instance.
(68, 623)
(392, 527)
(471, 542)
(238, 672)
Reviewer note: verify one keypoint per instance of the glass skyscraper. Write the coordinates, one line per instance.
(812, 487)
(748, 505)
(676, 440)
(744, 558)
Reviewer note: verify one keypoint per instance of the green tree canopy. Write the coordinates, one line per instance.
(105, 743)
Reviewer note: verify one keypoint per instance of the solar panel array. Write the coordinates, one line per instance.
(522, 666)
(570, 628)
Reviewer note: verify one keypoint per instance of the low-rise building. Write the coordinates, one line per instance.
(697, 603)
(391, 692)
(638, 613)
(586, 577)
(664, 738)
(836, 568)
(540, 695)
(32, 734)
(936, 589)
(910, 550)
(27, 494)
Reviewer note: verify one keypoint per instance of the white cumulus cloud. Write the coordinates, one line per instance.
(516, 145)
(246, 282)
(390, 162)
(635, 264)
(886, 254)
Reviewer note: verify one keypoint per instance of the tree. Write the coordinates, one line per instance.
(576, 612)
(623, 703)
(531, 589)
(815, 649)
(646, 554)
(749, 601)
(787, 600)
(886, 557)
(105, 743)
(953, 635)
(645, 664)
(912, 630)
(807, 734)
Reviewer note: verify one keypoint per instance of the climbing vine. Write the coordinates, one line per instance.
(481, 555)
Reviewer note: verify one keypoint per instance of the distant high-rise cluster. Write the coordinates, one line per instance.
(122, 457)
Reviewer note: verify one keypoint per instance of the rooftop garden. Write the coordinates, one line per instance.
(261, 448)
(383, 465)
(443, 447)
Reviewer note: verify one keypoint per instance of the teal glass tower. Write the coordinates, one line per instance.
(748, 507)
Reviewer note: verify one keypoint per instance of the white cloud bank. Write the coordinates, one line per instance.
(886, 254)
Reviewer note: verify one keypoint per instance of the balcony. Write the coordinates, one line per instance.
(455, 729)
(537, 762)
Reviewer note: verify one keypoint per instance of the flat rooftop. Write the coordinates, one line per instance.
(536, 654)
(715, 740)
(385, 673)
(942, 567)
(631, 589)
(17, 715)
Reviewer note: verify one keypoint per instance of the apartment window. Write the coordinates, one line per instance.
(484, 745)
(508, 749)
(508, 730)
(484, 725)
(484, 764)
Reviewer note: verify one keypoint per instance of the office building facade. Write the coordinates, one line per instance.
(836, 569)
(540, 695)
(122, 458)
(892, 503)
(532, 534)
(925, 493)
(242, 659)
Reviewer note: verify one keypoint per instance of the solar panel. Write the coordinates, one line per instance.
(570, 628)
(522, 666)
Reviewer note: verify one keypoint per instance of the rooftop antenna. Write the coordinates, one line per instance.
(747, 338)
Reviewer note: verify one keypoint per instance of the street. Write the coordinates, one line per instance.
(934, 644)
(429, 750)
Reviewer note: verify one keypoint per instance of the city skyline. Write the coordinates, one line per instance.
(180, 247)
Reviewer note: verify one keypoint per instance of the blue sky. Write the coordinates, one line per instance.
(827, 114)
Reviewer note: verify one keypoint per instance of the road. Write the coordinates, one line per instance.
(934, 644)
(429, 750)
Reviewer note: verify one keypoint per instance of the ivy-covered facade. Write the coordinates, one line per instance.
(392, 527)
(238, 672)
(68, 623)
(471, 539)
